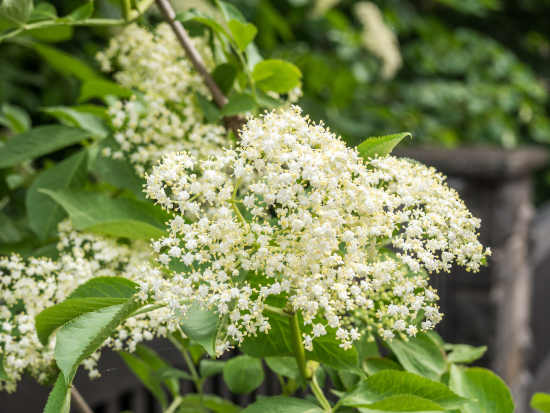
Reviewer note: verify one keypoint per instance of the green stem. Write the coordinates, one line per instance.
(276, 310)
(298, 346)
(319, 395)
(126, 9)
(174, 405)
(189, 362)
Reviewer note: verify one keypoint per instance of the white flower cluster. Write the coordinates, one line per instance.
(294, 214)
(164, 116)
(29, 286)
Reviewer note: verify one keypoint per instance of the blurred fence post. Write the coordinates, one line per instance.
(493, 307)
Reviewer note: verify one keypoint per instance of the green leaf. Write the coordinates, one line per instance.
(83, 12)
(284, 366)
(380, 145)
(172, 373)
(541, 402)
(37, 142)
(83, 335)
(327, 350)
(230, 12)
(243, 33)
(63, 62)
(100, 88)
(463, 353)
(209, 368)
(196, 16)
(390, 383)
(243, 374)
(377, 364)
(145, 374)
(93, 295)
(201, 326)
(14, 118)
(3, 374)
(490, 393)
(86, 121)
(420, 355)
(225, 75)
(17, 11)
(276, 75)
(109, 287)
(238, 103)
(118, 217)
(51, 34)
(59, 400)
(196, 403)
(209, 109)
(156, 363)
(404, 403)
(9, 233)
(44, 213)
(276, 343)
(43, 11)
(54, 317)
(281, 404)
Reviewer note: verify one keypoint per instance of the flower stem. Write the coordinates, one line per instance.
(174, 405)
(81, 404)
(319, 395)
(298, 346)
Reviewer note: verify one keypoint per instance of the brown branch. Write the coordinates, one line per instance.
(81, 404)
(233, 123)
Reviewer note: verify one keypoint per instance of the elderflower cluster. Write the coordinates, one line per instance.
(294, 215)
(29, 286)
(164, 116)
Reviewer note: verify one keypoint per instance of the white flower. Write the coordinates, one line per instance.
(293, 207)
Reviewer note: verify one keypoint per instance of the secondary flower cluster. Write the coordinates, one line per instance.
(294, 214)
(29, 286)
(164, 116)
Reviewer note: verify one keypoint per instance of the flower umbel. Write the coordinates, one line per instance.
(293, 216)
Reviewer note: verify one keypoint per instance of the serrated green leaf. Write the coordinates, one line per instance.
(239, 103)
(404, 403)
(380, 145)
(541, 402)
(59, 400)
(44, 213)
(3, 374)
(173, 373)
(109, 287)
(196, 16)
(284, 366)
(118, 217)
(14, 118)
(10, 233)
(391, 383)
(201, 326)
(276, 75)
(43, 11)
(420, 355)
(243, 33)
(39, 141)
(71, 117)
(281, 404)
(463, 353)
(489, 394)
(54, 317)
(243, 374)
(51, 34)
(83, 335)
(17, 11)
(209, 368)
